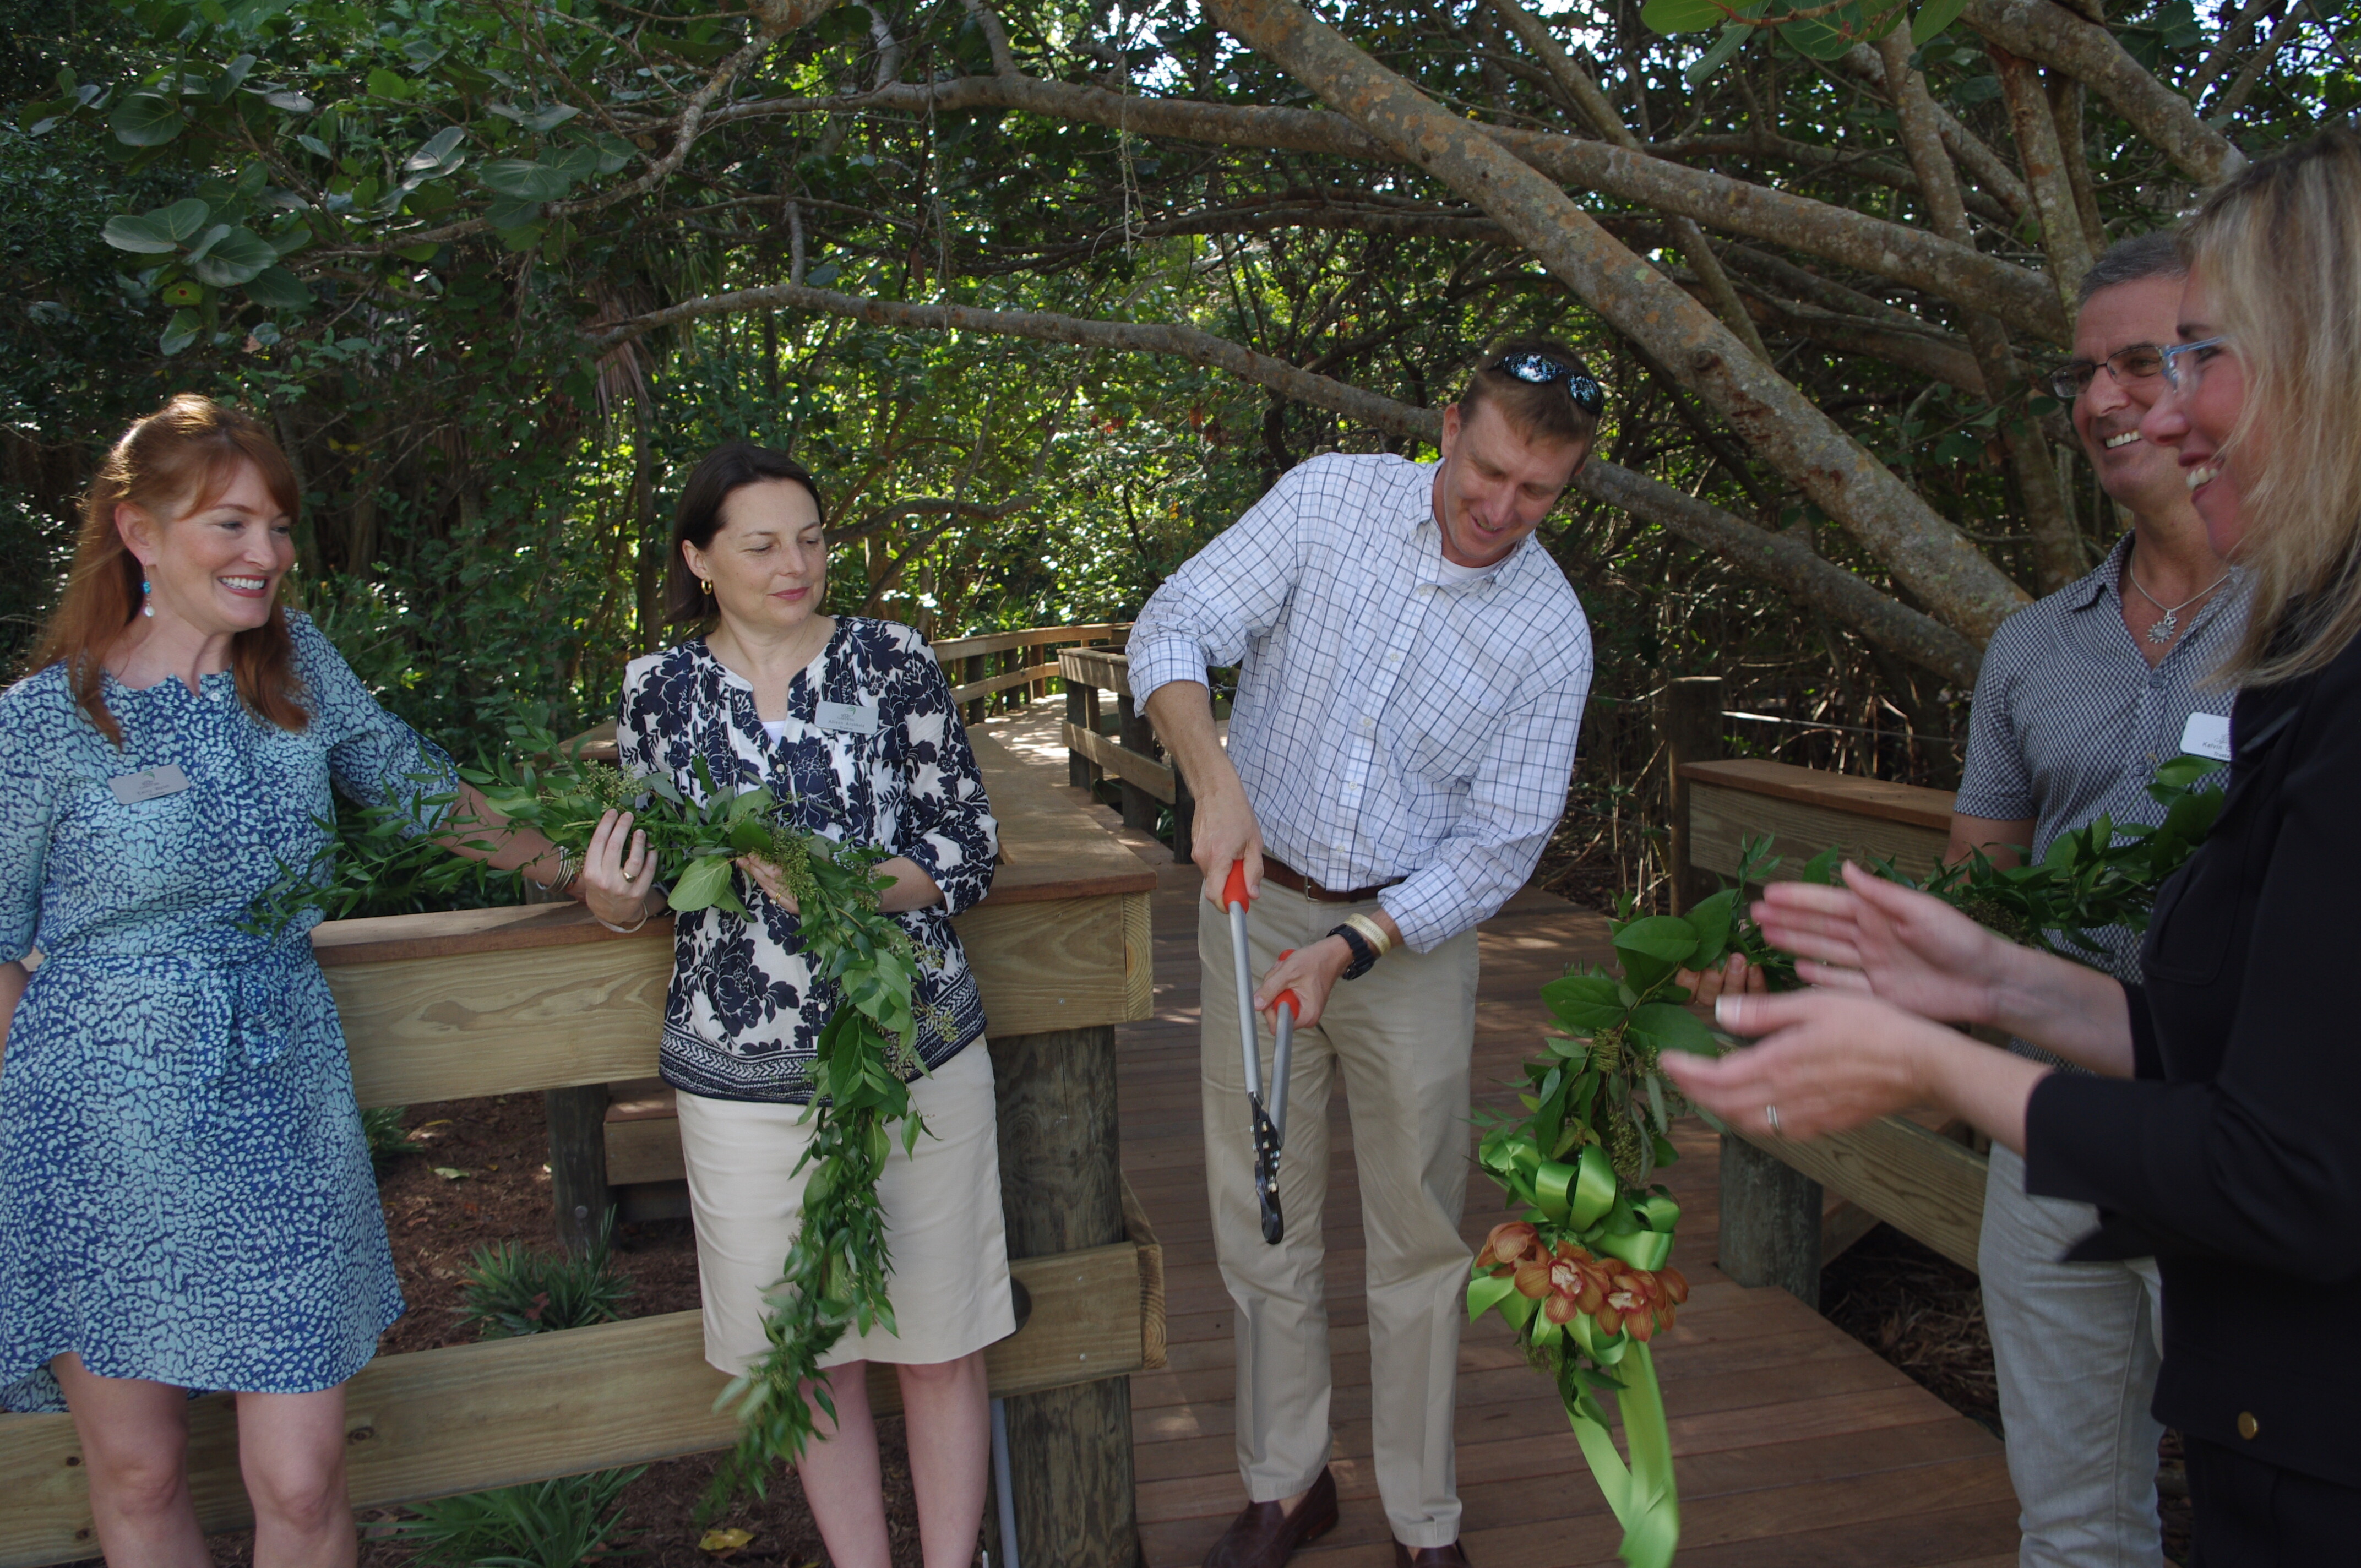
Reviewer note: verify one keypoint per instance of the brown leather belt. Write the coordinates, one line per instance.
(1294, 881)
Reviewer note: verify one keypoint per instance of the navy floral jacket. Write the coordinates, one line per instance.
(874, 753)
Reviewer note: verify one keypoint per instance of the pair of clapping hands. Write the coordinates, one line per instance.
(1884, 963)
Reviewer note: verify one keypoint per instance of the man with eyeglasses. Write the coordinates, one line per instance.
(2081, 696)
(1412, 672)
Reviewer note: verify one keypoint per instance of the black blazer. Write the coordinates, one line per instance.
(2234, 1155)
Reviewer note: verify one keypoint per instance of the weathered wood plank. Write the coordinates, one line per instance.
(1132, 767)
(1921, 1183)
(512, 1019)
(1100, 667)
(1721, 819)
(953, 648)
(469, 1417)
(1013, 679)
(1910, 805)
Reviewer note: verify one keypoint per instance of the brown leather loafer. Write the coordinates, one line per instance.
(1449, 1556)
(1265, 1535)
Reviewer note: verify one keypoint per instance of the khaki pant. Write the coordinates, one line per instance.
(1401, 1035)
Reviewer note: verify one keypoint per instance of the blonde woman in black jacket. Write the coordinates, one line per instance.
(2224, 1133)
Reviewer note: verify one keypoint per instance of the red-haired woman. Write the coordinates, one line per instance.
(185, 1195)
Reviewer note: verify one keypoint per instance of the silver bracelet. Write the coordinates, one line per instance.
(623, 930)
(558, 882)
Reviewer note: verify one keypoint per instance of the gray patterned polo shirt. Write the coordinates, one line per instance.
(2071, 723)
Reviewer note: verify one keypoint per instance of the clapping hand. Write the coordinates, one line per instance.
(1904, 947)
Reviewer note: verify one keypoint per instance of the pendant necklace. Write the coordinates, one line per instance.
(2165, 631)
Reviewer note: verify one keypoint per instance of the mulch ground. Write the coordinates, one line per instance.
(481, 1178)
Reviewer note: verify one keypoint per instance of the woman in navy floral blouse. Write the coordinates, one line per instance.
(850, 723)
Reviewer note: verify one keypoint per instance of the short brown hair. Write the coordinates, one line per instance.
(1535, 414)
(726, 468)
(184, 455)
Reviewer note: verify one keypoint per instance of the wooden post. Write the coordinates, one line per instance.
(1091, 723)
(971, 670)
(1078, 714)
(1770, 1222)
(1688, 721)
(1139, 807)
(578, 1194)
(1069, 1449)
(1185, 817)
(577, 1162)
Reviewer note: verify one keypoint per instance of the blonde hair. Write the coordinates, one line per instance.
(2280, 249)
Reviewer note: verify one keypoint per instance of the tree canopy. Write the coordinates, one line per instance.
(1048, 292)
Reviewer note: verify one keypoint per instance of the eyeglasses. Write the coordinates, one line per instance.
(2171, 367)
(2129, 366)
(1540, 370)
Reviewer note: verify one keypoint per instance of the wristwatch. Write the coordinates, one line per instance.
(1365, 957)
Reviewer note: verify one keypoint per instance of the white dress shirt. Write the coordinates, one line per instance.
(1391, 721)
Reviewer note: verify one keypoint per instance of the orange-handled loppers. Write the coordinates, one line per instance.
(1269, 1113)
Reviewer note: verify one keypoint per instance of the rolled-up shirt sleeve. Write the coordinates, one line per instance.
(1516, 798)
(1233, 588)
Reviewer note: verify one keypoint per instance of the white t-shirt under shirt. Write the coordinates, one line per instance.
(1450, 571)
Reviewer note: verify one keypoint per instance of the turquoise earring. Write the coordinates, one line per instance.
(147, 605)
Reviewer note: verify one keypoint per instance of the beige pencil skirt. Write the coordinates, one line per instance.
(950, 1286)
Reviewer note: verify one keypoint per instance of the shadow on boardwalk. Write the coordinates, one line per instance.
(1795, 1444)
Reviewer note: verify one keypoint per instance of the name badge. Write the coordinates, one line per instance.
(148, 784)
(2207, 735)
(849, 717)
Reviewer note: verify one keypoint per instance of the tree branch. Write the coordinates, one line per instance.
(1912, 257)
(2056, 37)
(1786, 564)
(1924, 551)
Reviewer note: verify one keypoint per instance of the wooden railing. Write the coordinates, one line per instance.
(503, 1001)
(968, 661)
(1777, 1223)
(1131, 756)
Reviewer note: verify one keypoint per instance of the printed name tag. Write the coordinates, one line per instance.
(2207, 735)
(148, 784)
(849, 716)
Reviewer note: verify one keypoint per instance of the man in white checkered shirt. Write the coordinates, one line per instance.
(1413, 669)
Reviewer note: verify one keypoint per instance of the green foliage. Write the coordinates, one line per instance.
(512, 1289)
(2099, 877)
(388, 1139)
(563, 1523)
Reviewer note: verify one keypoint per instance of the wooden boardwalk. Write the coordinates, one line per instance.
(1793, 1444)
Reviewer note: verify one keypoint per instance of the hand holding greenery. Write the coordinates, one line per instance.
(834, 1278)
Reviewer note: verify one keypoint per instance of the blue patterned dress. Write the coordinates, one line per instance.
(872, 753)
(185, 1194)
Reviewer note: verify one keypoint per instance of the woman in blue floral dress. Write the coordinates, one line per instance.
(850, 721)
(186, 1201)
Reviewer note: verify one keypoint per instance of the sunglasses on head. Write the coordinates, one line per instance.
(1540, 370)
